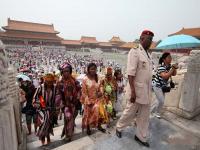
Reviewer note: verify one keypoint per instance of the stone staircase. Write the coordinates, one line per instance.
(79, 142)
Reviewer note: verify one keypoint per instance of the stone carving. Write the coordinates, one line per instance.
(13, 90)
(194, 62)
(11, 133)
(3, 74)
(187, 97)
(190, 97)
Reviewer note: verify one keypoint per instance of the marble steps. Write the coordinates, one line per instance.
(79, 141)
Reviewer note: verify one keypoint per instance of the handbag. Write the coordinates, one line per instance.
(166, 89)
(29, 110)
(24, 110)
(172, 84)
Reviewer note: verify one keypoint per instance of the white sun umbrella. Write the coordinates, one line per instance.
(24, 77)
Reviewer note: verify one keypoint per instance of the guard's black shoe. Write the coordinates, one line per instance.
(146, 144)
(118, 133)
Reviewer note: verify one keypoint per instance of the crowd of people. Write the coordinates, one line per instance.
(48, 60)
(54, 89)
(66, 95)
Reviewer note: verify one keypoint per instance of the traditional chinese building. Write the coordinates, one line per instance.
(88, 42)
(27, 35)
(127, 46)
(106, 46)
(72, 45)
(22, 34)
(195, 32)
(116, 41)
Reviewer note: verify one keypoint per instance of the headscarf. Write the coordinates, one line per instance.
(64, 66)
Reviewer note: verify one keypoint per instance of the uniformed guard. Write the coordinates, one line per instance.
(138, 90)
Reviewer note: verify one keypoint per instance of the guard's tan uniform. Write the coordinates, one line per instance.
(140, 66)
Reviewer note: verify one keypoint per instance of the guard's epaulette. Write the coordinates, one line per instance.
(136, 46)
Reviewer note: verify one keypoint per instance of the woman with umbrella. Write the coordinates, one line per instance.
(160, 81)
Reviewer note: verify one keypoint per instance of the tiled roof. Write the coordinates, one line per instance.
(105, 44)
(153, 45)
(86, 39)
(71, 42)
(30, 36)
(29, 26)
(188, 31)
(2, 33)
(129, 45)
(116, 39)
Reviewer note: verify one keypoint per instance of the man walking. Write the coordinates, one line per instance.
(138, 92)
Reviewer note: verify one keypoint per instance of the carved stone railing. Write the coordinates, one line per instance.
(12, 135)
(3, 74)
(185, 99)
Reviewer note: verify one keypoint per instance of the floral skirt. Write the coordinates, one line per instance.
(90, 116)
(69, 122)
(103, 115)
(94, 114)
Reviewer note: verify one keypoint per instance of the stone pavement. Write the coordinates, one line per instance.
(192, 126)
(163, 136)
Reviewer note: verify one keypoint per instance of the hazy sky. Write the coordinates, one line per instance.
(105, 18)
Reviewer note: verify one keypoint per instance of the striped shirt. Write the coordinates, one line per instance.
(157, 80)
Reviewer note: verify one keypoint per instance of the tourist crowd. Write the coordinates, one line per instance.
(97, 95)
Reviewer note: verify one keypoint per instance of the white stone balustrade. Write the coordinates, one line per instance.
(11, 132)
(185, 99)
